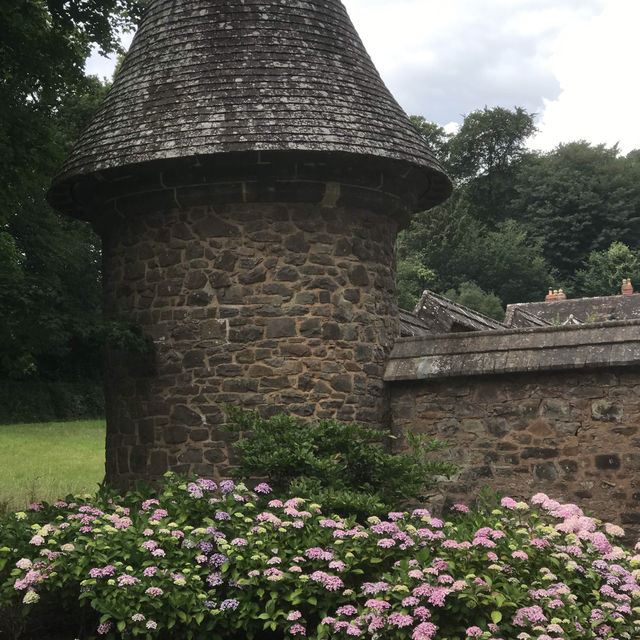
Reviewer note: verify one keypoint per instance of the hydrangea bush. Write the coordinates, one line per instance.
(200, 561)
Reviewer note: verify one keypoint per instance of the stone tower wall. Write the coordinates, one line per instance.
(272, 306)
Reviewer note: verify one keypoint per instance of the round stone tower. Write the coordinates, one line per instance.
(248, 173)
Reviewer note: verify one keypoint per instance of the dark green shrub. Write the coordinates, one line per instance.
(345, 467)
(43, 401)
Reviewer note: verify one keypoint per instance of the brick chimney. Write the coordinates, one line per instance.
(561, 295)
(551, 296)
(627, 287)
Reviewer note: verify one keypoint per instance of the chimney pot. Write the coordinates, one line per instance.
(627, 287)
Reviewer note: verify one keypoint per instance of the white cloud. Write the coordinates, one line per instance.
(103, 66)
(443, 60)
(596, 63)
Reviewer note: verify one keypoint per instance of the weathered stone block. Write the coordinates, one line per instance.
(183, 415)
(281, 328)
(607, 461)
(545, 471)
(342, 383)
(552, 409)
(606, 411)
(632, 461)
(174, 435)
(538, 452)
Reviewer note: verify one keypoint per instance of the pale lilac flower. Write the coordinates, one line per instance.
(230, 603)
(345, 610)
(126, 580)
(473, 632)
(227, 486)
(104, 628)
(385, 543)
(422, 612)
(424, 631)
(154, 591)
(152, 624)
(377, 605)
(294, 615)
(263, 487)
(207, 484)
(400, 620)
(239, 542)
(158, 553)
(374, 587)
(297, 629)
(214, 579)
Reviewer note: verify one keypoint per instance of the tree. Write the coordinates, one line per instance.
(49, 275)
(605, 270)
(42, 54)
(486, 155)
(489, 140)
(578, 199)
(471, 295)
(413, 278)
(457, 247)
(435, 136)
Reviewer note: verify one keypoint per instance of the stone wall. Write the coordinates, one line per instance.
(574, 435)
(275, 307)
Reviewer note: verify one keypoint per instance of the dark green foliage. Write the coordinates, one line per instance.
(471, 295)
(343, 466)
(605, 271)
(578, 199)
(413, 278)
(520, 222)
(489, 140)
(435, 136)
(50, 296)
(39, 401)
(458, 248)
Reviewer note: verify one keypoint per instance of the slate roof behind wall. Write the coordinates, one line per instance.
(599, 309)
(442, 315)
(216, 76)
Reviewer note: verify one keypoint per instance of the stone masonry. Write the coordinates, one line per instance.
(557, 412)
(274, 307)
(248, 172)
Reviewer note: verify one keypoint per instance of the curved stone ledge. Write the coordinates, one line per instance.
(515, 351)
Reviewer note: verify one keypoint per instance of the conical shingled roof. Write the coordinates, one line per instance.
(206, 77)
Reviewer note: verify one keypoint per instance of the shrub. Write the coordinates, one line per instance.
(197, 561)
(43, 401)
(343, 466)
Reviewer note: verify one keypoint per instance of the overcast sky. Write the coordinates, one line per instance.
(575, 63)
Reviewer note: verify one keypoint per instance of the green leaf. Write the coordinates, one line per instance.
(121, 625)
(496, 616)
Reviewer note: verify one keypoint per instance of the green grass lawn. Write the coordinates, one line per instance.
(47, 461)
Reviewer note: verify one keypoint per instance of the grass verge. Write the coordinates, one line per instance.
(46, 461)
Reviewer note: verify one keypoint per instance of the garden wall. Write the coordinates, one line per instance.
(554, 410)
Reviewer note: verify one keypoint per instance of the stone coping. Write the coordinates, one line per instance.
(608, 344)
